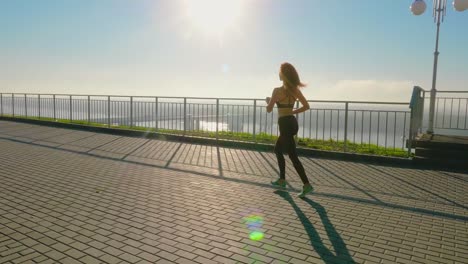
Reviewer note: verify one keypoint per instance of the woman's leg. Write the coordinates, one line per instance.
(297, 164)
(293, 129)
(280, 157)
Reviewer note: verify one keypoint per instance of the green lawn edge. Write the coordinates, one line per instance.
(318, 144)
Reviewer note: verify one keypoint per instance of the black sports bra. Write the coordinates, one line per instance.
(288, 105)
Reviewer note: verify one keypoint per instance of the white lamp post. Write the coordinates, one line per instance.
(439, 10)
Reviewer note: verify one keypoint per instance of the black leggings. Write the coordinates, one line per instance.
(285, 144)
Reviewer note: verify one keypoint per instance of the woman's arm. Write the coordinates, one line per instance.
(305, 104)
(273, 99)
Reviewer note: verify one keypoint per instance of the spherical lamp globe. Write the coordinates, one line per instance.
(418, 7)
(460, 5)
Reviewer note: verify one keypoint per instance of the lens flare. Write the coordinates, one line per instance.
(256, 236)
(254, 224)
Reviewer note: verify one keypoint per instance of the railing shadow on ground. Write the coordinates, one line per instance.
(367, 169)
(418, 187)
(456, 177)
(341, 252)
(251, 182)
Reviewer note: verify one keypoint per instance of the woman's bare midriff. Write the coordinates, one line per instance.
(284, 112)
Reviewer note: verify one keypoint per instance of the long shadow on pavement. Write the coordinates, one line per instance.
(342, 253)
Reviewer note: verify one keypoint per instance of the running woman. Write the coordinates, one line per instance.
(285, 97)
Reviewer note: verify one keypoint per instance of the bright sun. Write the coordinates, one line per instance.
(214, 17)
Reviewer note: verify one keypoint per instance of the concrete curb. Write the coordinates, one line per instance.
(220, 142)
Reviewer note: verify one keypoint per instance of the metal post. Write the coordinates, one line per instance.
(439, 12)
(89, 109)
(39, 106)
(25, 106)
(108, 111)
(346, 127)
(131, 111)
(217, 118)
(254, 120)
(157, 119)
(13, 104)
(185, 115)
(410, 136)
(55, 116)
(71, 117)
(1, 104)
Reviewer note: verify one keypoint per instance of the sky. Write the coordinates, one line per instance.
(344, 50)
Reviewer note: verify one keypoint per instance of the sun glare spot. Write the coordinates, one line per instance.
(214, 17)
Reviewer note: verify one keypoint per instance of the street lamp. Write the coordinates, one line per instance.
(439, 11)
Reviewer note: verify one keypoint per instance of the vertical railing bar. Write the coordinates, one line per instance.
(386, 128)
(243, 118)
(338, 127)
(323, 130)
(198, 117)
(354, 126)
(436, 111)
(156, 126)
(136, 113)
(316, 125)
(346, 127)
(13, 104)
(248, 118)
(451, 113)
(161, 115)
(238, 117)
(378, 128)
(131, 111)
(89, 109)
(71, 117)
(466, 112)
(331, 122)
(260, 124)
(310, 123)
(108, 111)
(458, 115)
(25, 106)
(394, 130)
(303, 115)
(185, 116)
(217, 118)
(362, 125)
(370, 127)
(39, 105)
(443, 115)
(266, 122)
(404, 132)
(54, 107)
(1, 104)
(119, 105)
(254, 120)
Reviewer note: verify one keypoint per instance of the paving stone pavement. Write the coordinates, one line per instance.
(70, 196)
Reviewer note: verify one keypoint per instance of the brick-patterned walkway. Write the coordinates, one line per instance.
(70, 196)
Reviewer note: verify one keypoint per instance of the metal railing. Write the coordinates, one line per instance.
(451, 110)
(386, 124)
